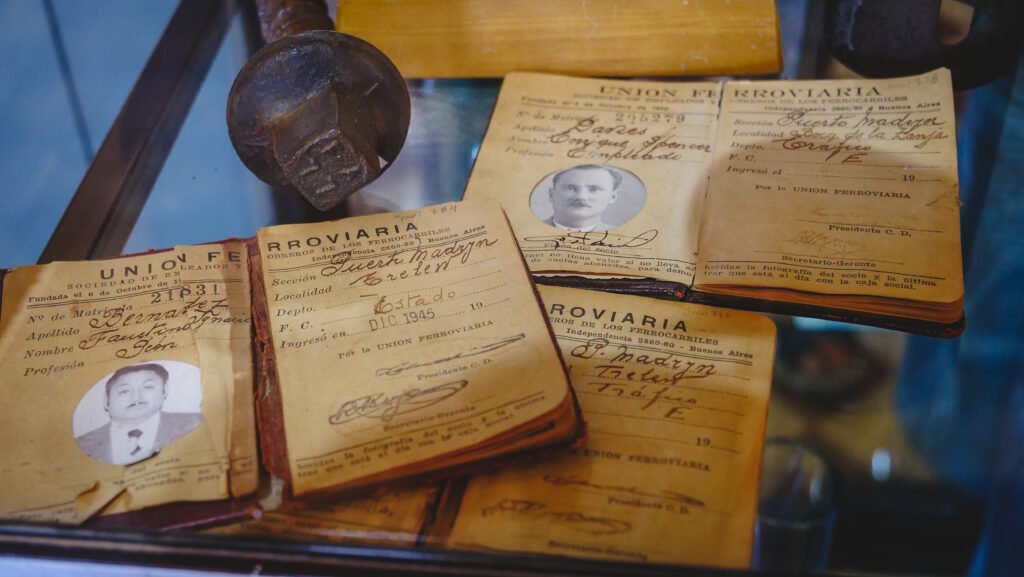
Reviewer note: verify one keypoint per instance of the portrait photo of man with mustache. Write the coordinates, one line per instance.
(138, 427)
(582, 198)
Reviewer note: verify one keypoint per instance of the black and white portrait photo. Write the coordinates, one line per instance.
(588, 197)
(137, 410)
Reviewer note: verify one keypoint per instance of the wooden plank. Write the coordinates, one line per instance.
(489, 38)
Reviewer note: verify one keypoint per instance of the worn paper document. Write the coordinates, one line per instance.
(836, 187)
(600, 176)
(403, 337)
(829, 198)
(393, 517)
(675, 397)
(127, 383)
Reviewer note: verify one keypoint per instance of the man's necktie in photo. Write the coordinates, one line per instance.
(133, 439)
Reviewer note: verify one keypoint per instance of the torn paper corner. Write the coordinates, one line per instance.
(96, 498)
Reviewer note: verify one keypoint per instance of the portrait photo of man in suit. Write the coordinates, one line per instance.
(587, 198)
(138, 427)
(580, 195)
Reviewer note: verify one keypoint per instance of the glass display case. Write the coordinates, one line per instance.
(912, 444)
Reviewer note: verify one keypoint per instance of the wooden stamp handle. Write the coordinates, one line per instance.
(280, 18)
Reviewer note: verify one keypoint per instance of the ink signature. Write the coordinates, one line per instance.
(662, 494)
(602, 238)
(825, 244)
(397, 369)
(384, 407)
(572, 519)
(948, 200)
(825, 213)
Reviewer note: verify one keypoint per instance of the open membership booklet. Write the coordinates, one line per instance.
(387, 347)
(675, 396)
(836, 199)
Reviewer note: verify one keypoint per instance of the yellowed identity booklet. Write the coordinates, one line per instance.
(676, 397)
(402, 344)
(828, 198)
(128, 383)
(389, 346)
